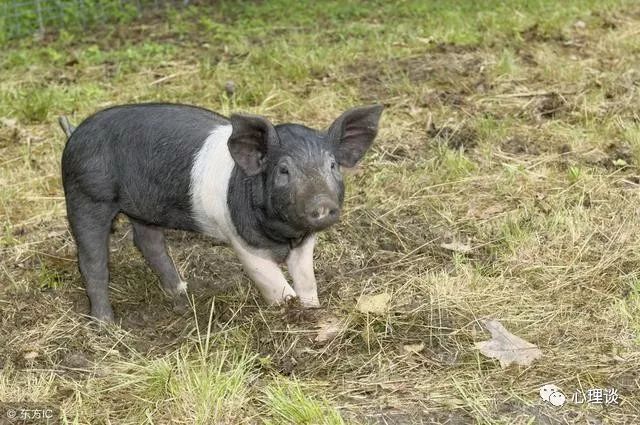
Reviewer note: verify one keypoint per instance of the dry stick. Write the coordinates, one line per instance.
(10, 161)
(8, 275)
(449, 183)
(529, 94)
(51, 255)
(171, 76)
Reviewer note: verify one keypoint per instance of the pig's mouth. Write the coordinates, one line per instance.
(312, 215)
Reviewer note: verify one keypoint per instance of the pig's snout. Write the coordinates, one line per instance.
(322, 212)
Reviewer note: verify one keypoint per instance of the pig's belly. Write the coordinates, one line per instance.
(216, 234)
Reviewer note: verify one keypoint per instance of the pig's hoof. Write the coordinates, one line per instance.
(291, 302)
(102, 316)
(177, 289)
(295, 311)
(181, 305)
(310, 302)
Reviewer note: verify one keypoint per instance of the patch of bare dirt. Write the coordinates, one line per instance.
(551, 105)
(520, 145)
(399, 152)
(627, 382)
(453, 72)
(439, 97)
(543, 415)
(443, 66)
(618, 154)
(462, 137)
(535, 34)
(574, 43)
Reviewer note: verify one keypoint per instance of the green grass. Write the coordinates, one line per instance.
(26, 18)
(509, 126)
(289, 403)
(210, 389)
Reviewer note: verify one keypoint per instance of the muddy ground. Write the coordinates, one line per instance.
(519, 148)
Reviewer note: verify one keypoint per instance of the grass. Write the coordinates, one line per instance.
(291, 404)
(509, 126)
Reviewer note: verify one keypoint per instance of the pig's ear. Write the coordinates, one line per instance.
(353, 133)
(250, 139)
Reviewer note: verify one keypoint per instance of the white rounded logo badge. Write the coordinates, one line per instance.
(552, 394)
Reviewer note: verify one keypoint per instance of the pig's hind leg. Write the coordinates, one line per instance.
(91, 224)
(150, 241)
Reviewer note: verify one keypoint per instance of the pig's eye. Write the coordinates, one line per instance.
(333, 165)
(282, 176)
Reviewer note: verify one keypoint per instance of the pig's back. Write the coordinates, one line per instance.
(140, 157)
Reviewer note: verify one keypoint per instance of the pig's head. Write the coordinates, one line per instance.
(299, 168)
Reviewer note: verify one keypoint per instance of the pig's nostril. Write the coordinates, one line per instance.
(322, 212)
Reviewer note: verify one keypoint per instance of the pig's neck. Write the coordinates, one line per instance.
(251, 221)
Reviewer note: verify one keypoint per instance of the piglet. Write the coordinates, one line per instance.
(264, 190)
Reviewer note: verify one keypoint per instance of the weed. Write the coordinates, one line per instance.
(510, 127)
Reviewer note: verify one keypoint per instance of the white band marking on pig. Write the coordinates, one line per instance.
(209, 184)
(210, 177)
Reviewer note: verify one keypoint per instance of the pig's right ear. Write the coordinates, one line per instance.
(250, 139)
(353, 133)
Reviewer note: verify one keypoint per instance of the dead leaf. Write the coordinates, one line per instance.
(506, 347)
(456, 246)
(413, 348)
(329, 328)
(375, 304)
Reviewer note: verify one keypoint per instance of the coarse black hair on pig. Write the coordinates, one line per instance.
(266, 213)
(137, 159)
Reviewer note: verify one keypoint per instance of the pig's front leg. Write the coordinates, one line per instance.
(300, 264)
(265, 273)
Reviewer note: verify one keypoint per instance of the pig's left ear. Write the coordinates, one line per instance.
(353, 133)
(250, 139)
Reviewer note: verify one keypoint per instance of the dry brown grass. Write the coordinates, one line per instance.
(525, 143)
